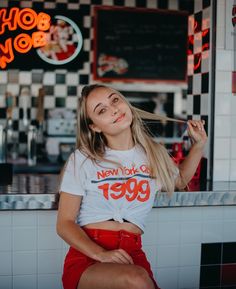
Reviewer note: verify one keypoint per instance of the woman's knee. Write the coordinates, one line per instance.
(138, 278)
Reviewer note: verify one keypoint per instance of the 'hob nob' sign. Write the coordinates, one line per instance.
(23, 20)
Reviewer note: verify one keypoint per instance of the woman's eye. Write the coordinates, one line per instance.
(101, 111)
(116, 99)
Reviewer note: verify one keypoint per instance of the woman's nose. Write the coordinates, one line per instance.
(114, 110)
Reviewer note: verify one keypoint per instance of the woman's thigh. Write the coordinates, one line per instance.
(115, 276)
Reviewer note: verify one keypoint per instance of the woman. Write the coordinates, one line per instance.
(108, 188)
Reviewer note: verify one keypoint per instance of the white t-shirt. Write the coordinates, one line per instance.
(110, 191)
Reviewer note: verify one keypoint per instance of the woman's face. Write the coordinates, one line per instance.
(109, 113)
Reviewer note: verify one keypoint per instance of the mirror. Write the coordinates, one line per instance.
(171, 104)
(183, 101)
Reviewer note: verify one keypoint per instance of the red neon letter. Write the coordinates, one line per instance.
(39, 39)
(43, 21)
(11, 21)
(233, 10)
(22, 43)
(27, 19)
(6, 53)
(234, 21)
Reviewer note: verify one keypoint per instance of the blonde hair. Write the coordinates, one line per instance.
(93, 144)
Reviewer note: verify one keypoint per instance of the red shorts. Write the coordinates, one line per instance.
(76, 262)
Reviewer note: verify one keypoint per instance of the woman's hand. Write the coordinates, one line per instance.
(197, 132)
(119, 256)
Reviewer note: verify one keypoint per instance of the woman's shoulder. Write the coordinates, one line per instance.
(78, 156)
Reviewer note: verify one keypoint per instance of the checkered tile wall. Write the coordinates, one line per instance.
(199, 56)
(62, 86)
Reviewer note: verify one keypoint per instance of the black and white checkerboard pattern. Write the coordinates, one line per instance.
(199, 56)
(62, 86)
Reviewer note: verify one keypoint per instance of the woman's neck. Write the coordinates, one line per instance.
(121, 142)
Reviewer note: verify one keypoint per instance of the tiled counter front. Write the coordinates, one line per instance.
(31, 253)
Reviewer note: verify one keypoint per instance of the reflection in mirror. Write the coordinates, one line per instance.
(173, 135)
(171, 104)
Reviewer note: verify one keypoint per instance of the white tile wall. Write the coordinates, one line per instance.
(25, 77)
(222, 126)
(168, 256)
(163, 277)
(49, 261)
(189, 277)
(225, 101)
(189, 255)
(233, 125)
(49, 78)
(221, 170)
(233, 170)
(48, 239)
(197, 84)
(206, 18)
(233, 104)
(205, 62)
(52, 281)
(29, 218)
(212, 231)
(168, 233)
(190, 232)
(222, 148)
(172, 242)
(49, 102)
(224, 60)
(72, 78)
(221, 13)
(6, 239)
(6, 282)
(5, 263)
(24, 238)
(25, 282)
(71, 102)
(197, 43)
(223, 104)
(24, 263)
(223, 81)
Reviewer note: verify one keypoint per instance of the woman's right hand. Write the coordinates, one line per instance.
(119, 256)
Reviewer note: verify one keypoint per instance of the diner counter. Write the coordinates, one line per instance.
(40, 192)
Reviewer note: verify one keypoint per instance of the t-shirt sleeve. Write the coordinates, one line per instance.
(73, 175)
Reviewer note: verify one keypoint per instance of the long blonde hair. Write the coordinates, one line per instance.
(93, 144)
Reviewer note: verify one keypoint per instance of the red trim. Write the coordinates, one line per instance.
(234, 82)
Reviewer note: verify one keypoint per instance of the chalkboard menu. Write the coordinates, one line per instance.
(136, 44)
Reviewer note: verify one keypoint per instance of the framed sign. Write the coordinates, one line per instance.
(136, 44)
(230, 24)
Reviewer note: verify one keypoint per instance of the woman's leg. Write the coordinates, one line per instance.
(115, 276)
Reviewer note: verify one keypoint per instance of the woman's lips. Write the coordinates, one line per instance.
(120, 118)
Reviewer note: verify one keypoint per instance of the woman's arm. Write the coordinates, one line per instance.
(189, 166)
(70, 232)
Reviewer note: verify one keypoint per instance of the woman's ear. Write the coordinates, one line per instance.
(95, 128)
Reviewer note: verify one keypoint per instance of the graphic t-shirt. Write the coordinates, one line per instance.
(111, 191)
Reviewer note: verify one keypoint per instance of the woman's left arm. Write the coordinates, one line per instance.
(189, 166)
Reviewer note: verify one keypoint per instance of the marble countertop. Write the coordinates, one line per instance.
(39, 192)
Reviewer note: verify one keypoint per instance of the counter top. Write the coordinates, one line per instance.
(40, 168)
(30, 191)
(39, 192)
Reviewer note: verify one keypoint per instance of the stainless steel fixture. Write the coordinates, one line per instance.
(32, 145)
(3, 144)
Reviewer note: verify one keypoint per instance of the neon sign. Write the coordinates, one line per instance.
(234, 15)
(25, 19)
